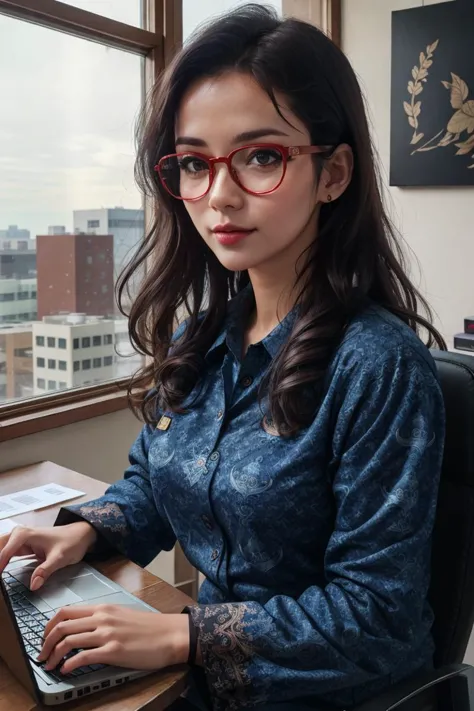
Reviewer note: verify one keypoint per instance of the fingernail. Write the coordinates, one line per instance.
(37, 583)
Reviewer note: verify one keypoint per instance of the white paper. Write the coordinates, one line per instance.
(7, 525)
(34, 499)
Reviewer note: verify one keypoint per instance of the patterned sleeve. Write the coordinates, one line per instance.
(127, 517)
(369, 625)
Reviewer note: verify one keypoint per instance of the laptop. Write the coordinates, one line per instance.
(25, 614)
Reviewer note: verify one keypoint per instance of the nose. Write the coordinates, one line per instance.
(224, 191)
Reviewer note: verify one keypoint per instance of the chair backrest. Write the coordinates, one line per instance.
(452, 583)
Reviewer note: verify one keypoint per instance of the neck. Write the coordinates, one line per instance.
(272, 303)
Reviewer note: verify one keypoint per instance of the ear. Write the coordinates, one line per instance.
(336, 174)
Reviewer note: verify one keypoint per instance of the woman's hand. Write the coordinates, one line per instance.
(54, 547)
(117, 635)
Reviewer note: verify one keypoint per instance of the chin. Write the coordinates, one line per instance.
(236, 262)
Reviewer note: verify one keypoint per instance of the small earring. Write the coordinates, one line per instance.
(329, 198)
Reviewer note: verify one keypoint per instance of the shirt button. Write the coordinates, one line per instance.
(220, 414)
(214, 555)
(214, 456)
(207, 522)
(247, 381)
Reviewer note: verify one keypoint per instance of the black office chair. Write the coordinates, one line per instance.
(450, 687)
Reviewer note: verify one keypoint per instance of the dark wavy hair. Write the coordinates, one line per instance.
(355, 242)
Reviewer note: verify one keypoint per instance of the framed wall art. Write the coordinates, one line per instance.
(432, 95)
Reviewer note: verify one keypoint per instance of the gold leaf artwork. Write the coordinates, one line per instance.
(461, 121)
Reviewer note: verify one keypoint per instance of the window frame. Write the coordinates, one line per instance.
(327, 14)
(156, 42)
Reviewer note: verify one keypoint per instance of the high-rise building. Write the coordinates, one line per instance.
(16, 362)
(72, 350)
(18, 261)
(13, 232)
(126, 226)
(75, 274)
(18, 302)
(57, 230)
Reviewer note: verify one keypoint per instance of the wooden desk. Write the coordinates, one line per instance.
(154, 692)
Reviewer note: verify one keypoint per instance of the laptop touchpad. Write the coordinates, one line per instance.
(82, 588)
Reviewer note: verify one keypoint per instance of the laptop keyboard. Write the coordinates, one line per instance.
(31, 623)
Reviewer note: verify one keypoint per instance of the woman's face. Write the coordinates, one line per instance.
(281, 224)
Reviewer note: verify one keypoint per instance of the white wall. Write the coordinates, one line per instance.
(196, 12)
(436, 222)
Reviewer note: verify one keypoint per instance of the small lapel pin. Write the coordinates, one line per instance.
(163, 423)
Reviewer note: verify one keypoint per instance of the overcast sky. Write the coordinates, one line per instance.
(68, 108)
(67, 112)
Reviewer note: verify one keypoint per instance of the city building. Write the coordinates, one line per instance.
(18, 300)
(13, 232)
(57, 230)
(16, 362)
(75, 274)
(18, 260)
(72, 350)
(126, 226)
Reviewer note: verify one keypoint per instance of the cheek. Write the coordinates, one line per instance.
(290, 208)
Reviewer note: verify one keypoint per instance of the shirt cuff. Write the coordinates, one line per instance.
(226, 647)
(98, 516)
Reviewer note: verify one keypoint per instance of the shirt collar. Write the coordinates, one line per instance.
(238, 309)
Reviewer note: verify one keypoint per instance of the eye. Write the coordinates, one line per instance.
(265, 157)
(192, 164)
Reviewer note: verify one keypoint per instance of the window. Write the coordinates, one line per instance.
(89, 261)
(86, 342)
(86, 364)
(70, 157)
(51, 364)
(128, 11)
(40, 362)
(104, 288)
(23, 352)
(97, 341)
(127, 224)
(41, 383)
(51, 385)
(62, 365)
(51, 342)
(108, 339)
(77, 365)
(108, 360)
(62, 385)
(97, 363)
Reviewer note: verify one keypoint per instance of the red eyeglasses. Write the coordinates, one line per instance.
(258, 169)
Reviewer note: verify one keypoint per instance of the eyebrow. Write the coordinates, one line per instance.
(240, 138)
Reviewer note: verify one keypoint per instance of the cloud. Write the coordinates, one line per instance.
(67, 114)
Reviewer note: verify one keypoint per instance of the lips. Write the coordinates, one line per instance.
(230, 234)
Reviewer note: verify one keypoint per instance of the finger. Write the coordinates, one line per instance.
(14, 545)
(69, 613)
(62, 630)
(95, 655)
(75, 641)
(53, 562)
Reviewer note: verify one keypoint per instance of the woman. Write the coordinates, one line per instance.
(293, 434)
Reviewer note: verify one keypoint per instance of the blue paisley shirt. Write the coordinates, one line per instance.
(316, 548)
